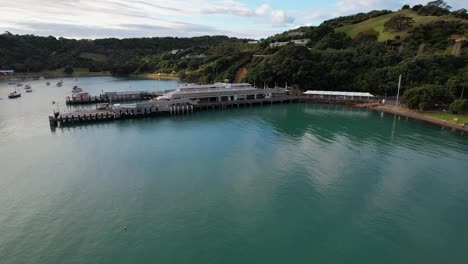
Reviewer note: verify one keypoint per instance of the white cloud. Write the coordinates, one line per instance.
(279, 17)
(234, 8)
(262, 9)
(122, 18)
(227, 7)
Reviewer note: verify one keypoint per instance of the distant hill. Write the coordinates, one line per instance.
(377, 24)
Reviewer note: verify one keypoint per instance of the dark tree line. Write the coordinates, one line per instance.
(354, 19)
(34, 53)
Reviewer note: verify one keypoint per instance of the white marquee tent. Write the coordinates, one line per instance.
(334, 94)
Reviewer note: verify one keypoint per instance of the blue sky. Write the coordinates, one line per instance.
(181, 18)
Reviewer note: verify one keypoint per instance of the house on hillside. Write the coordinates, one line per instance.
(253, 42)
(176, 51)
(301, 42)
(278, 44)
(297, 42)
(189, 57)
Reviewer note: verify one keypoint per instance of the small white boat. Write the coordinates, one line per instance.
(28, 88)
(14, 95)
(76, 89)
(19, 84)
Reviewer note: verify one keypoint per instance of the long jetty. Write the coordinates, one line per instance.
(97, 115)
(100, 115)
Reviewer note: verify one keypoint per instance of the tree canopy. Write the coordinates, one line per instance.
(398, 23)
(440, 4)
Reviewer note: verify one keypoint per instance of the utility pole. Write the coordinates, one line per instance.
(398, 94)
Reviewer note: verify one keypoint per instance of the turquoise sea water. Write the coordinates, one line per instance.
(274, 184)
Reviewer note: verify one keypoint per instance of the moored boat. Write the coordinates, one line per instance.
(76, 89)
(14, 94)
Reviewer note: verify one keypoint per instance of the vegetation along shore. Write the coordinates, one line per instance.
(434, 118)
(365, 52)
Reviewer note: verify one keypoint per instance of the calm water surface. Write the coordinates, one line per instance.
(273, 184)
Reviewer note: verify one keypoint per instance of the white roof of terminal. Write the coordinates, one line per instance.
(313, 92)
(215, 85)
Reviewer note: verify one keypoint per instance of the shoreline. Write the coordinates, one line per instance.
(403, 111)
(151, 76)
(54, 76)
(155, 76)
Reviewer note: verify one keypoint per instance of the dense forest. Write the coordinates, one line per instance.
(427, 46)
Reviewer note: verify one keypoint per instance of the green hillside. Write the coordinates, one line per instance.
(93, 56)
(377, 24)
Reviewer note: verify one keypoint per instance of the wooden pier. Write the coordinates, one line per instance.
(95, 115)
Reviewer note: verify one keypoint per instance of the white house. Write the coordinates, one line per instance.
(176, 51)
(278, 44)
(301, 42)
(199, 56)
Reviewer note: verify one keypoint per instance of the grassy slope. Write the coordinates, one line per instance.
(448, 116)
(377, 24)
